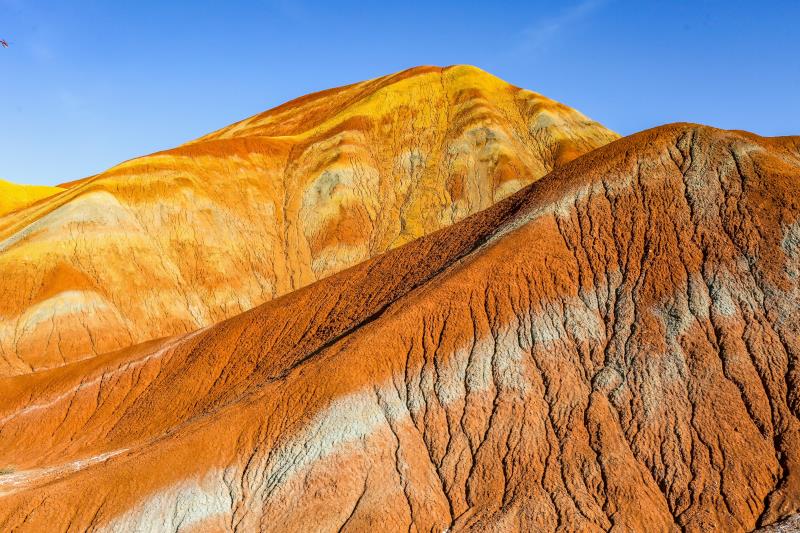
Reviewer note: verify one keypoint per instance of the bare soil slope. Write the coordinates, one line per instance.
(615, 346)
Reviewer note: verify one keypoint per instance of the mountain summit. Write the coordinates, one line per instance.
(181, 239)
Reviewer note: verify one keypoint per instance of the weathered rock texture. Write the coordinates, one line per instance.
(182, 239)
(615, 347)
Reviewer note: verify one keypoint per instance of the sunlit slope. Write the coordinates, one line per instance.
(183, 238)
(13, 196)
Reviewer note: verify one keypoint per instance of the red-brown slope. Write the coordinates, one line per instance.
(614, 346)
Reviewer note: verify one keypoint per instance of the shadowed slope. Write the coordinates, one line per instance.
(184, 238)
(614, 346)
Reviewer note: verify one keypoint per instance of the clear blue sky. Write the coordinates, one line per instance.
(87, 84)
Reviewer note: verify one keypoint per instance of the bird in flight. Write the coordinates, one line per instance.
(3, 43)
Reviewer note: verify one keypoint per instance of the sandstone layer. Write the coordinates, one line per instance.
(615, 347)
(181, 239)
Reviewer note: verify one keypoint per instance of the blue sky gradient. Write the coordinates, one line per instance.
(88, 84)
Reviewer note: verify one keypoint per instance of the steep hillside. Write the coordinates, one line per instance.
(615, 346)
(181, 239)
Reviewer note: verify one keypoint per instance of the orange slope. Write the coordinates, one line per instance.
(613, 346)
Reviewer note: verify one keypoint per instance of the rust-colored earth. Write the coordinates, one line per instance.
(181, 239)
(612, 348)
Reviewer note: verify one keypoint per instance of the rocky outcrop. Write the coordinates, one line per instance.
(181, 239)
(615, 347)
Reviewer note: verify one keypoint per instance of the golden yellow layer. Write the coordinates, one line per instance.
(13, 196)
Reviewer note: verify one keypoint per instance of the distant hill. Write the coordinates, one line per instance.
(13, 196)
(181, 239)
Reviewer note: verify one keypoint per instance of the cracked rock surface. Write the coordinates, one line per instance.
(181, 239)
(612, 348)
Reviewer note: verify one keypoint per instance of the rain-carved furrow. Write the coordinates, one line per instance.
(605, 364)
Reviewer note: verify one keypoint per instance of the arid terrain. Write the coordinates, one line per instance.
(181, 239)
(427, 302)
